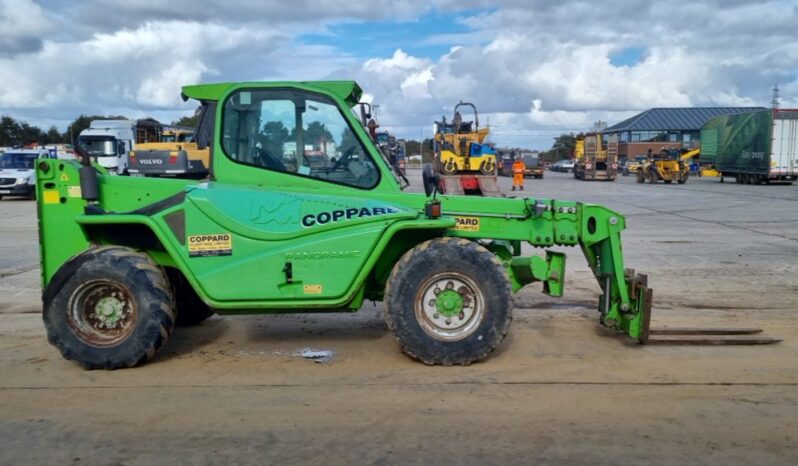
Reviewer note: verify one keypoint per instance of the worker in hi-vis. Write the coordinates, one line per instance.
(518, 174)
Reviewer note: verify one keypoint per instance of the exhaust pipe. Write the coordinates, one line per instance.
(89, 183)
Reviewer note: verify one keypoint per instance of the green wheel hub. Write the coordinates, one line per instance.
(449, 303)
(102, 313)
(449, 306)
(109, 310)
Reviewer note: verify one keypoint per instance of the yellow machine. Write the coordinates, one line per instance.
(459, 145)
(579, 148)
(632, 166)
(667, 166)
(707, 169)
(596, 158)
(175, 155)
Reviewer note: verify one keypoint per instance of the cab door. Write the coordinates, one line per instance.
(294, 222)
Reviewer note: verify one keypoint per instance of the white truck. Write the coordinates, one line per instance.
(110, 141)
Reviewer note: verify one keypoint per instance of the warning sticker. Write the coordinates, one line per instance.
(51, 196)
(312, 289)
(74, 191)
(210, 245)
(466, 223)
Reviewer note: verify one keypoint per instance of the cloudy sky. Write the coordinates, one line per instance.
(534, 68)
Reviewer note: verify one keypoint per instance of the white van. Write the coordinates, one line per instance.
(18, 171)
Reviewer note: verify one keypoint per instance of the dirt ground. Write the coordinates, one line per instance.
(560, 389)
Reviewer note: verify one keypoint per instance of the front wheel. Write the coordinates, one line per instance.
(114, 308)
(448, 301)
(449, 168)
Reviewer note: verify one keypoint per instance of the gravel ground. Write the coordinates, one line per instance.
(560, 390)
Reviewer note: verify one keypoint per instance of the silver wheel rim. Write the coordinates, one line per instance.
(102, 313)
(449, 327)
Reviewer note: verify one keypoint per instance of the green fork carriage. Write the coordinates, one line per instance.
(302, 213)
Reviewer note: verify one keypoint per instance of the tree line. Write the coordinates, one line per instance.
(15, 132)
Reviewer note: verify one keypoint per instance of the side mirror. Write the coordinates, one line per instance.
(429, 179)
(120, 147)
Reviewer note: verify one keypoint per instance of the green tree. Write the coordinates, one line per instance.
(272, 137)
(348, 141)
(53, 136)
(9, 131)
(189, 121)
(563, 148)
(13, 132)
(317, 134)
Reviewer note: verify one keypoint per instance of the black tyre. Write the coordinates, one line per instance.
(449, 168)
(448, 301)
(190, 309)
(113, 310)
(639, 176)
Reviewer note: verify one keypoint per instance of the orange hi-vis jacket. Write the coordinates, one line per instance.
(518, 173)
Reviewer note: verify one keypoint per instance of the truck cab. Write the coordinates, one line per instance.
(110, 141)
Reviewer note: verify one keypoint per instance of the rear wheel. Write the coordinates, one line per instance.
(639, 176)
(114, 310)
(448, 301)
(487, 168)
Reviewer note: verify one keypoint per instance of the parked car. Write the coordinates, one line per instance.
(565, 166)
(18, 173)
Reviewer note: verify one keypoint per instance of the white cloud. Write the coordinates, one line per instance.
(22, 24)
(546, 68)
(128, 71)
(533, 67)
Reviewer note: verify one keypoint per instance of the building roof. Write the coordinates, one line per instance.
(673, 119)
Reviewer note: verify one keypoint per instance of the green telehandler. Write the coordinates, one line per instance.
(301, 212)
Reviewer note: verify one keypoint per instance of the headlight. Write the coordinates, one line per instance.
(23, 180)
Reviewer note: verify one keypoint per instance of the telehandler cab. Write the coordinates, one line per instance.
(302, 213)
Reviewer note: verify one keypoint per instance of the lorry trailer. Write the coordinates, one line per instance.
(753, 148)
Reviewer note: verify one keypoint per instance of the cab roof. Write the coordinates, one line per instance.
(348, 91)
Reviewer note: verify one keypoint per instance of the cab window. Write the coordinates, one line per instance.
(295, 132)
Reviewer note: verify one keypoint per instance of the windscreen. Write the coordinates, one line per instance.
(98, 146)
(11, 160)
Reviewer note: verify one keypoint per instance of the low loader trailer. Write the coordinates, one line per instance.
(126, 259)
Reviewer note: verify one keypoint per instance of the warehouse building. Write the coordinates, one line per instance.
(660, 128)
